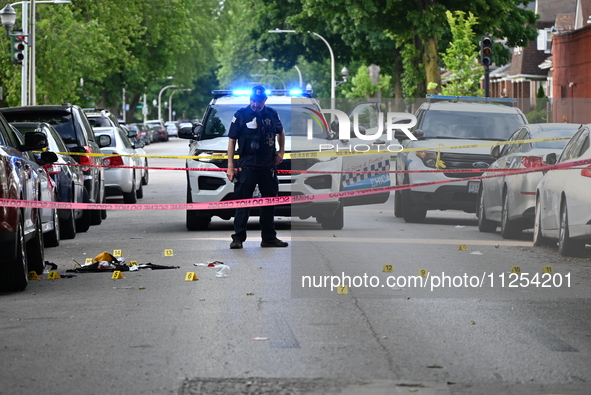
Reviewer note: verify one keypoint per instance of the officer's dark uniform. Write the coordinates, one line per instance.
(255, 134)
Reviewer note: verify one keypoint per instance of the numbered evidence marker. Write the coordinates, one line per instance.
(33, 275)
(516, 269)
(463, 247)
(88, 260)
(191, 276)
(53, 275)
(168, 252)
(117, 253)
(133, 263)
(547, 269)
(343, 289)
(423, 272)
(117, 274)
(388, 268)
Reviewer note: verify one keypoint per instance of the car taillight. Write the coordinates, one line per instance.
(86, 160)
(52, 169)
(113, 161)
(532, 161)
(586, 172)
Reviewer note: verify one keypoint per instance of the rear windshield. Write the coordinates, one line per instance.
(294, 119)
(62, 122)
(470, 125)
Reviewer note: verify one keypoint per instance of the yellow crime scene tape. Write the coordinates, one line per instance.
(318, 154)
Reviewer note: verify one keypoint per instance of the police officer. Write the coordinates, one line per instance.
(255, 128)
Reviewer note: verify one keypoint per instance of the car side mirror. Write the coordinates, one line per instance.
(551, 159)
(34, 141)
(139, 144)
(48, 157)
(495, 152)
(103, 140)
(190, 131)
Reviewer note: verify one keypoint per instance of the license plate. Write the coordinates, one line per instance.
(473, 186)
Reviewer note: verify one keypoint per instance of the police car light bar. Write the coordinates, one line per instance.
(269, 92)
(499, 100)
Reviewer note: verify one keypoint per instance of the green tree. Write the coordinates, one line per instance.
(460, 58)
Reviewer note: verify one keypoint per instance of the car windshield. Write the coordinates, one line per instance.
(470, 125)
(559, 144)
(99, 121)
(294, 119)
(62, 122)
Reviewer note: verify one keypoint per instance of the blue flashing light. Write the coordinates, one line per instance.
(269, 92)
(296, 92)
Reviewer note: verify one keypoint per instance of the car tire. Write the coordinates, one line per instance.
(566, 245)
(52, 238)
(398, 204)
(140, 192)
(83, 223)
(68, 226)
(96, 216)
(14, 273)
(193, 220)
(484, 225)
(336, 222)
(539, 239)
(508, 228)
(146, 176)
(35, 250)
(130, 197)
(409, 212)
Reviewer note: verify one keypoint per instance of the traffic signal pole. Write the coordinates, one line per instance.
(486, 53)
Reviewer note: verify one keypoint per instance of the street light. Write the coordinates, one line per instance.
(295, 67)
(160, 99)
(28, 75)
(333, 83)
(170, 101)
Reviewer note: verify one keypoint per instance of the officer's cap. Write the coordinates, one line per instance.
(258, 93)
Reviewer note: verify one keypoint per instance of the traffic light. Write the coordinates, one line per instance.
(486, 51)
(17, 48)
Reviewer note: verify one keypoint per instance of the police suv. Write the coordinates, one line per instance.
(209, 141)
(443, 122)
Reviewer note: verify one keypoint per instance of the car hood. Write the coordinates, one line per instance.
(292, 143)
(444, 144)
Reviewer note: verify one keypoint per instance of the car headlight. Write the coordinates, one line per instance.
(429, 158)
(211, 157)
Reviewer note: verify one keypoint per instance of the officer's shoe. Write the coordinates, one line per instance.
(235, 244)
(274, 243)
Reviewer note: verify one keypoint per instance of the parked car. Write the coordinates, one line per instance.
(445, 121)
(160, 132)
(563, 198)
(510, 200)
(121, 181)
(21, 234)
(143, 132)
(172, 129)
(73, 127)
(138, 144)
(65, 173)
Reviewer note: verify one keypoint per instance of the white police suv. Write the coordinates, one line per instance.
(210, 139)
(450, 121)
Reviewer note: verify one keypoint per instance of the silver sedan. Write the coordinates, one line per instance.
(509, 200)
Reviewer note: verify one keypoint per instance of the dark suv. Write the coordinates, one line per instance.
(72, 125)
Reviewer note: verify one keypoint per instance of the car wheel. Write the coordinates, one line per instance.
(146, 176)
(35, 250)
(539, 239)
(83, 223)
(14, 273)
(397, 204)
(52, 238)
(130, 197)
(336, 222)
(508, 229)
(484, 225)
(193, 220)
(566, 245)
(409, 212)
(140, 192)
(96, 217)
(68, 226)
